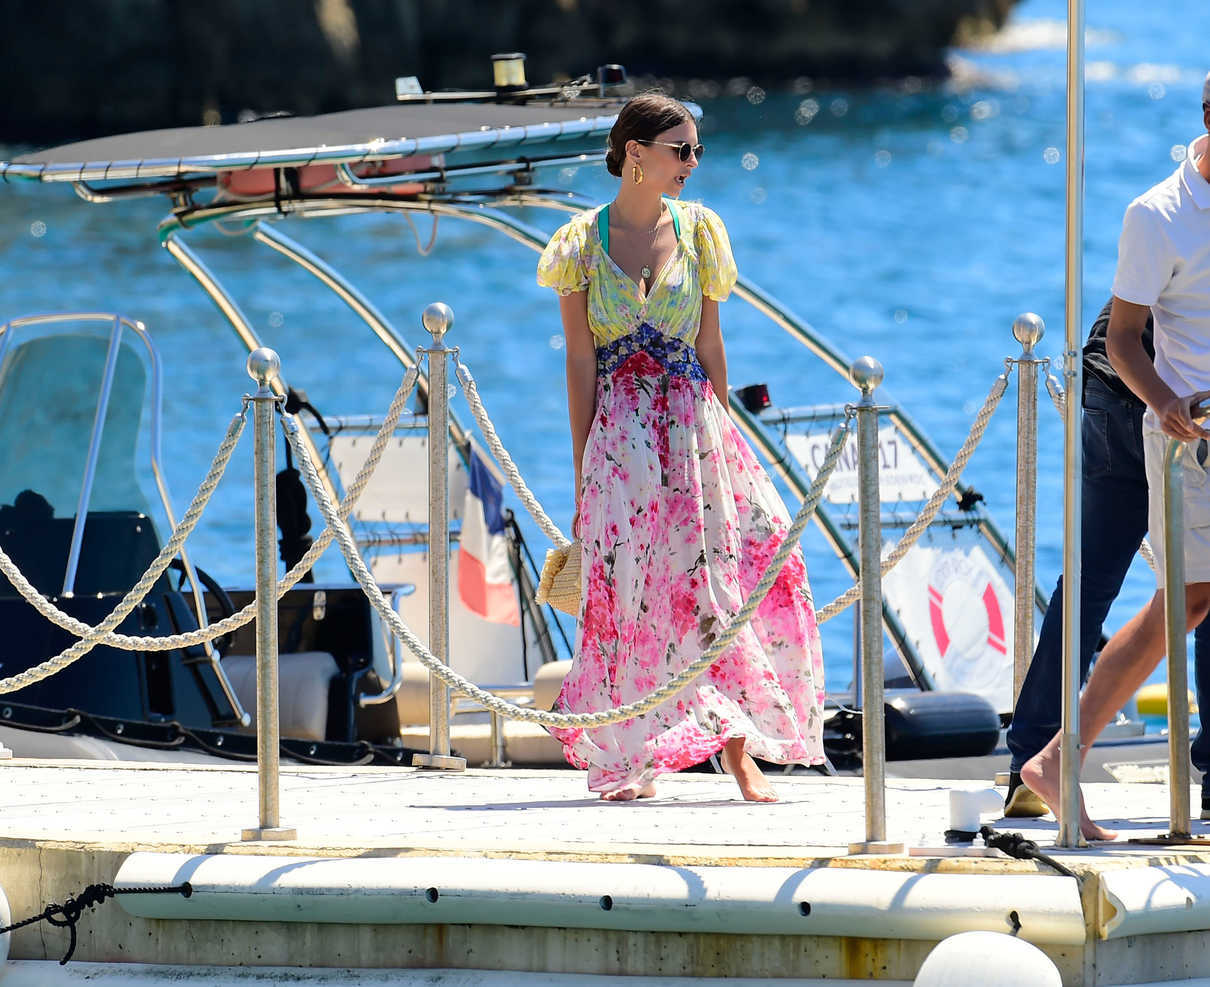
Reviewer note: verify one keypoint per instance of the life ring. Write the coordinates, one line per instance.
(991, 607)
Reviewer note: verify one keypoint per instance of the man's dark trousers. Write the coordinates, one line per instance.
(1114, 521)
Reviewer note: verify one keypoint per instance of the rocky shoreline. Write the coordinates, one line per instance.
(104, 66)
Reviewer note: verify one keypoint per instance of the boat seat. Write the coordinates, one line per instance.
(412, 699)
(116, 550)
(548, 682)
(304, 679)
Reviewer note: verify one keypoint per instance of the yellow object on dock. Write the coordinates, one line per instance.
(1152, 700)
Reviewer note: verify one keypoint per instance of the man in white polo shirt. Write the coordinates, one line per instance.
(1164, 269)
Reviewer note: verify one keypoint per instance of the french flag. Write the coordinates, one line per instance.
(485, 576)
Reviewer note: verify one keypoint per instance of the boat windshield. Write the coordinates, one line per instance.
(52, 384)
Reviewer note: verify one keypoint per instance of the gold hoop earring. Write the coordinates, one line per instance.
(636, 173)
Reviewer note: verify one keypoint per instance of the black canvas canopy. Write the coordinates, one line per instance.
(372, 134)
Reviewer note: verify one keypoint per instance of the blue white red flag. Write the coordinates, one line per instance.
(485, 575)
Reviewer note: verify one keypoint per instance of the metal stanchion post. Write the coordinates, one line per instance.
(263, 366)
(1175, 625)
(866, 374)
(1028, 330)
(437, 319)
(1068, 809)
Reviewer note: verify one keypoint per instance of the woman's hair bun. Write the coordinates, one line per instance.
(643, 118)
(613, 160)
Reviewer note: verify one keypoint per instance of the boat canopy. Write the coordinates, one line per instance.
(373, 134)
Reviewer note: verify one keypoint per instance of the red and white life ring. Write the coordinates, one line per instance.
(991, 607)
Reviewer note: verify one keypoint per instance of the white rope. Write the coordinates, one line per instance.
(541, 518)
(426, 250)
(140, 589)
(237, 620)
(1147, 554)
(563, 720)
(1058, 397)
(910, 537)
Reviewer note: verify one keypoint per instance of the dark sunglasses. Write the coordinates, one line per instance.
(683, 148)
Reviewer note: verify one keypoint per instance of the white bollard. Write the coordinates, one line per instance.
(990, 959)
(968, 807)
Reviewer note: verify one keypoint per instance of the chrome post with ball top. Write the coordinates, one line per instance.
(1028, 330)
(438, 318)
(866, 374)
(263, 366)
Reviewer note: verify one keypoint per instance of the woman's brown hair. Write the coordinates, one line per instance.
(643, 118)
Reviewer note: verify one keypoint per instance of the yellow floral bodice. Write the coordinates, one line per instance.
(575, 259)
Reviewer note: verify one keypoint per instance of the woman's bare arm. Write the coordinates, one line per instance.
(711, 353)
(581, 377)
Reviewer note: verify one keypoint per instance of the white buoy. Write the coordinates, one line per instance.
(991, 959)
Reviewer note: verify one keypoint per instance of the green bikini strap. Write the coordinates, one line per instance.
(674, 208)
(603, 222)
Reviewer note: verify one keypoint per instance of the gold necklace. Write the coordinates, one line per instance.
(645, 270)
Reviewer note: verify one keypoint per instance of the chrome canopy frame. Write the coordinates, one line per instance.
(484, 209)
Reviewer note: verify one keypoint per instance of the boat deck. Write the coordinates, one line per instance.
(518, 838)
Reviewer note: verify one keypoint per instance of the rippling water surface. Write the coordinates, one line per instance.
(910, 223)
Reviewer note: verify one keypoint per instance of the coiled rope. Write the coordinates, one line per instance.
(237, 620)
(549, 719)
(910, 537)
(68, 914)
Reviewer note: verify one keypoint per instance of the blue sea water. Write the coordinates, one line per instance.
(912, 223)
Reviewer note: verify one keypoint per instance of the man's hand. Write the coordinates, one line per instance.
(1176, 421)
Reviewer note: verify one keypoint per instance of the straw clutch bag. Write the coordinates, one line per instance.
(560, 582)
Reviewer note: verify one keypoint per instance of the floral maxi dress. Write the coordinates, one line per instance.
(678, 522)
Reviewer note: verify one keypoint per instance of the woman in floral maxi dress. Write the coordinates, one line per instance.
(678, 520)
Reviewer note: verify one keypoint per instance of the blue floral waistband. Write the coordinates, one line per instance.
(676, 356)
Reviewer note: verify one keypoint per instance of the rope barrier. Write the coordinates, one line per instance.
(549, 528)
(143, 586)
(237, 620)
(910, 537)
(494, 703)
(103, 633)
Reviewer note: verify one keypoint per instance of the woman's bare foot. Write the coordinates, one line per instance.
(1041, 774)
(628, 793)
(739, 764)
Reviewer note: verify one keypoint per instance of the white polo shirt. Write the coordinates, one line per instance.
(1164, 262)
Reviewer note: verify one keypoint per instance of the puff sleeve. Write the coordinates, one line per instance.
(715, 263)
(563, 265)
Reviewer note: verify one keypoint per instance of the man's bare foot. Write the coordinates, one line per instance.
(1041, 774)
(739, 764)
(628, 793)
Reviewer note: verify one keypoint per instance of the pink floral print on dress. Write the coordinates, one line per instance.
(678, 522)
